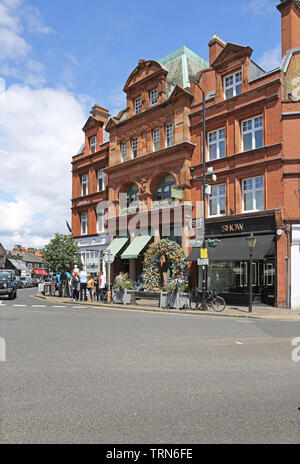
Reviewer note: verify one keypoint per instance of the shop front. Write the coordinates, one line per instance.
(91, 251)
(229, 267)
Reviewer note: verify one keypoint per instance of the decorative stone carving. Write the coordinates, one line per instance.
(143, 181)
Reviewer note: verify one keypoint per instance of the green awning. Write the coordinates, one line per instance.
(136, 247)
(117, 244)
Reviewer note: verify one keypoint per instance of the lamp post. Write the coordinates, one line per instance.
(196, 81)
(251, 242)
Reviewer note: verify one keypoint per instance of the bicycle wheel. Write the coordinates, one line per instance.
(194, 301)
(218, 304)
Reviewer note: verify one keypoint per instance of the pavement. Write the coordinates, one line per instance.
(258, 311)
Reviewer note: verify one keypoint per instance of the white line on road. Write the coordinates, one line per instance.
(19, 306)
(58, 306)
(239, 343)
(38, 306)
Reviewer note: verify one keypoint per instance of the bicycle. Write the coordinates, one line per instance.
(212, 301)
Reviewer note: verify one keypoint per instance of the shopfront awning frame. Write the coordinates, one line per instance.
(136, 247)
(117, 245)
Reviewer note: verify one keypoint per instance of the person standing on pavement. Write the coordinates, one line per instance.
(102, 285)
(75, 286)
(97, 286)
(83, 285)
(90, 286)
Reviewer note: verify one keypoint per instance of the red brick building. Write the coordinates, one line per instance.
(252, 143)
(89, 187)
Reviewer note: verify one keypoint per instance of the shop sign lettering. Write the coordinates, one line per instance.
(232, 227)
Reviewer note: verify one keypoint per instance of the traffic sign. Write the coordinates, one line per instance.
(109, 257)
(202, 262)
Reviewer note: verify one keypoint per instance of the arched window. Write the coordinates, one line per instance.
(164, 188)
(132, 194)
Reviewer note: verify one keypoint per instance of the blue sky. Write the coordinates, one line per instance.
(59, 57)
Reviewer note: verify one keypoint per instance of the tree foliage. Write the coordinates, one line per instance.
(62, 254)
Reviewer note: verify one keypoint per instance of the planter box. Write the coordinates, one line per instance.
(177, 300)
(121, 297)
(127, 296)
(117, 296)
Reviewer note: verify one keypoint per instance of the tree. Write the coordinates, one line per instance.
(62, 254)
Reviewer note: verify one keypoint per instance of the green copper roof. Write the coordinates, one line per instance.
(180, 64)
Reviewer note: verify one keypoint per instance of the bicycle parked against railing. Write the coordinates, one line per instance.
(212, 300)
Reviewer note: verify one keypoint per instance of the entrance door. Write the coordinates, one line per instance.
(268, 282)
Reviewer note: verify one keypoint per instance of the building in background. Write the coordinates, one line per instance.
(25, 261)
(89, 188)
(252, 143)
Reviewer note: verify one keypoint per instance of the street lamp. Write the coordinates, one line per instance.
(251, 242)
(196, 80)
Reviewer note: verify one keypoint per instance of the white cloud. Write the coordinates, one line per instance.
(259, 7)
(35, 22)
(7, 20)
(40, 130)
(12, 45)
(270, 59)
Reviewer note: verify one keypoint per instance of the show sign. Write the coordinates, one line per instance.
(241, 226)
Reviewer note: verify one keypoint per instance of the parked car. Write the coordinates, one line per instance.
(19, 283)
(26, 281)
(8, 284)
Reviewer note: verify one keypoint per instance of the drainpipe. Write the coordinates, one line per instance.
(287, 271)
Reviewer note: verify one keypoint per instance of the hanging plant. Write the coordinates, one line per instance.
(213, 242)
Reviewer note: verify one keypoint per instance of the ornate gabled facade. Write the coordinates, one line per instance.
(252, 144)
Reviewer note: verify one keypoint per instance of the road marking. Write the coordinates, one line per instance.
(38, 306)
(239, 343)
(58, 306)
(19, 306)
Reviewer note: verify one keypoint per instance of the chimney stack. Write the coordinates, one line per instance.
(290, 24)
(100, 113)
(216, 45)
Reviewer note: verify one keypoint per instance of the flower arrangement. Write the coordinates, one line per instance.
(124, 283)
(176, 285)
(171, 251)
(213, 242)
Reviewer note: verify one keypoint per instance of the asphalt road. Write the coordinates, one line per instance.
(86, 375)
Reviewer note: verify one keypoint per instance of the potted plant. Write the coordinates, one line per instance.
(174, 295)
(122, 291)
